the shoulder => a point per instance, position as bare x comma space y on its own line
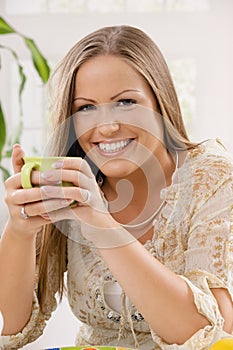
211, 158
211, 169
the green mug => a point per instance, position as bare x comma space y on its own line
41, 164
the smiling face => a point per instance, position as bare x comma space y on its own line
115, 116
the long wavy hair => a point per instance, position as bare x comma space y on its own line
137, 49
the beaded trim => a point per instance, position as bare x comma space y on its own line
113, 315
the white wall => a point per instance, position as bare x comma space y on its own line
203, 36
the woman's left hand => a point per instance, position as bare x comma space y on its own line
83, 191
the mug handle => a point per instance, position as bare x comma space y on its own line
26, 173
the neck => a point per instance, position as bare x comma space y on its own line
141, 189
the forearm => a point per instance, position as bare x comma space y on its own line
163, 298
17, 275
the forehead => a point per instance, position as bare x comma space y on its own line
109, 72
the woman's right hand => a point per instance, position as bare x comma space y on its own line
17, 198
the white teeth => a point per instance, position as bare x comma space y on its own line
113, 147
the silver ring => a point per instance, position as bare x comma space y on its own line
24, 215
88, 199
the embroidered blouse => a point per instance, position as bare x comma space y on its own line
193, 236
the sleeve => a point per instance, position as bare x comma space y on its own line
37, 322
209, 261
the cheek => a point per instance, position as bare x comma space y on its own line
82, 136
83, 141
149, 137
146, 122
85, 123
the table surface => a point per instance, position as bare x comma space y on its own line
91, 348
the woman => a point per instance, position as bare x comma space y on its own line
148, 241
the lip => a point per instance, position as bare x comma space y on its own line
116, 153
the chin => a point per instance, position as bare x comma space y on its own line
118, 169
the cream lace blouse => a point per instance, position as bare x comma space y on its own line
193, 236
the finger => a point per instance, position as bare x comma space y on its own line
35, 221
17, 158
75, 163
75, 193
74, 177
22, 196
40, 179
45, 207
30, 222
13, 182
55, 177
62, 214
25, 195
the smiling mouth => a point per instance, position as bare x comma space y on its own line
113, 147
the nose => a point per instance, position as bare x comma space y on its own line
108, 129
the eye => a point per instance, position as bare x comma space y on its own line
126, 102
86, 108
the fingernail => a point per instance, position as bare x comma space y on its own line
47, 175
66, 202
48, 189
59, 164
45, 216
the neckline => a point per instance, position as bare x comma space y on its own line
156, 212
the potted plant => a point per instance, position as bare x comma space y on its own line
42, 68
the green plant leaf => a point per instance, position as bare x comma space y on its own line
8, 153
43, 71
21, 85
14, 138
5, 172
18, 134
2, 131
5, 28
39, 61
21, 74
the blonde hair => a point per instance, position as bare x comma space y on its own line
136, 48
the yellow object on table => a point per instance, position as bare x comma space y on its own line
223, 344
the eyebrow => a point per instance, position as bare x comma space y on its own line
111, 98
122, 92
83, 98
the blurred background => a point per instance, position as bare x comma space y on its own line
195, 37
